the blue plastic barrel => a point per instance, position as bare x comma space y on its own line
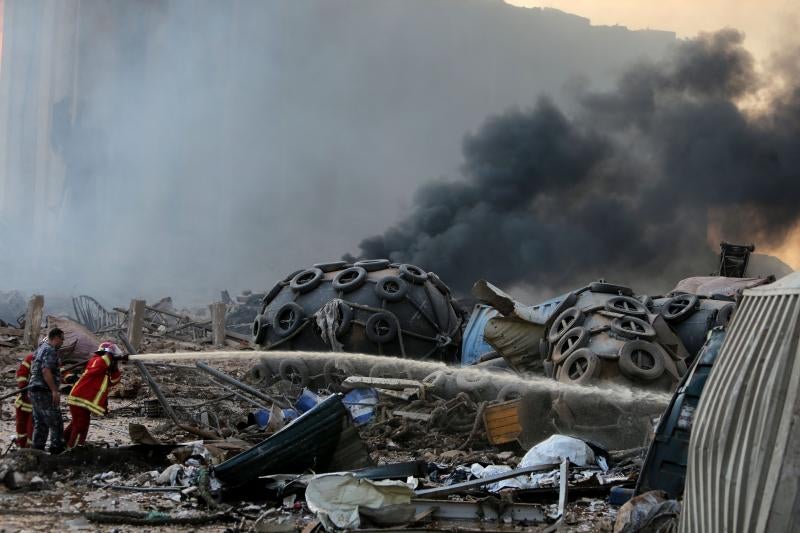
361, 404
307, 401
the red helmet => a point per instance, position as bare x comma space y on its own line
109, 348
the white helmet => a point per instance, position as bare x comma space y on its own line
109, 348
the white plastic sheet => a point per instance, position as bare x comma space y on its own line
336, 499
557, 448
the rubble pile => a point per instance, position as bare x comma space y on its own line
561, 415
164, 326
241, 311
161, 475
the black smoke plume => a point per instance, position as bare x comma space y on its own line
625, 186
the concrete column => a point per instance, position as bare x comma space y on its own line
218, 323
33, 321
136, 323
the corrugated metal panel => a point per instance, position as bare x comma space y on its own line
744, 452
311, 441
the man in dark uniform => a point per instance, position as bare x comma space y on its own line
44, 394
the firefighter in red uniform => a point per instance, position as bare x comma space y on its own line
90, 394
23, 404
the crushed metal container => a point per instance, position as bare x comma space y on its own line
664, 466
744, 450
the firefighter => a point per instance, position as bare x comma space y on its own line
23, 405
90, 393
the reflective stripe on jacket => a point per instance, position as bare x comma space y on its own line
23, 375
91, 390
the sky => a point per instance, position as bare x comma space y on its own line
255, 115
769, 27
765, 22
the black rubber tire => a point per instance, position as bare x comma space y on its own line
636, 358
568, 319
580, 368
439, 382
388, 370
272, 294
261, 374
260, 325
572, 340
373, 265
381, 328
630, 327
679, 308
609, 288
350, 279
332, 266
288, 278
295, 371
306, 280
511, 391
724, 315
346, 320
287, 319
626, 306
438, 283
391, 288
335, 371
413, 273
476, 384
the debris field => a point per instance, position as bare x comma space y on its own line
563, 415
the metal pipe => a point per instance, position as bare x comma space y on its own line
239, 385
160, 395
241, 396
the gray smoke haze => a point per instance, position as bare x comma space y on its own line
623, 186
199, 145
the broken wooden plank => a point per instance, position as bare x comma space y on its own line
405, 394
502, 422
361, 382
424, 417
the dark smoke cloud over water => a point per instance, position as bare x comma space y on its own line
624, 186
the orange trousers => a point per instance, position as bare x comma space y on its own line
24, 428
78, 428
